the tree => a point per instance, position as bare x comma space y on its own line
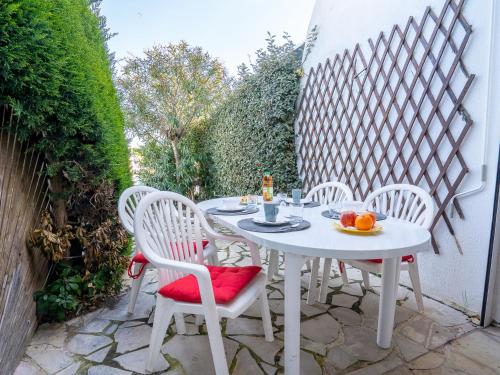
168, 91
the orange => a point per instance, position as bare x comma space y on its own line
373, 216
364, 222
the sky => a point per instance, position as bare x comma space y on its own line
231, 30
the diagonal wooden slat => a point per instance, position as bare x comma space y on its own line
389, 116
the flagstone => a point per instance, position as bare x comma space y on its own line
27, 368
362, 342
52, 334
95, 326
268, 369
346, 316
245, 364
353, 289
244, 326
314, 309
323, 329
136, 361
344, 300
49, 358
99, 356
409, 349
132, 338
480, 347
263, 349
85, 344
111, 329
380, 368
340, 358
194, 355
308, 364
143, 308
70, 370
428, 361
106, 370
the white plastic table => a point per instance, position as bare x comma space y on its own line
398, 238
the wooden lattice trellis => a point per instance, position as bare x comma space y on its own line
395, 117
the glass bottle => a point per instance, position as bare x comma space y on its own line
267, 187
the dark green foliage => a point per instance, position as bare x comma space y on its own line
253, 129
55, 72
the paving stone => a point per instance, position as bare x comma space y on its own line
323, 329
49, 358
50, 333
95, 326
344, 300
106, 370
143, 308
245, 364
275, 294
340, 358
193, 353
379, 368
244, 326
417, 329
277, 306
132, 338
253, 310
308, 364
429, 361
131, 323
468, 365
136, 361
400, 370
353, 289
362, 342
268, 369
314, 309
86, 344
27, 368
313, 346
111, 329
99, 355
346, 316
264, 350
439, 312
492, 330
409, 349
369, 305
480, 347
440, 336
71, 370
335, 283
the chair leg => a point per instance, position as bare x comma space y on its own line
343, 272
266, 316
163, 315
313, 281
273, 265
214, 259
216, 343
366, 279
415, 282
180, 325
136, 287
255, 254
324, 282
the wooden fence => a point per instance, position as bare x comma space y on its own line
23, 194
392, 112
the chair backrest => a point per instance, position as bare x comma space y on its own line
402, 201
128, 202
170, 226
328, 192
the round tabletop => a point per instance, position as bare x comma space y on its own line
398, 238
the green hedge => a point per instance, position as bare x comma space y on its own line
254, 128
55, 72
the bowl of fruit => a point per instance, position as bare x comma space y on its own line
362, 223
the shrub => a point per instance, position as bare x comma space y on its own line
55, 73
254, 128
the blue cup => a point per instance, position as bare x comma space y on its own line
296, 195
271, 211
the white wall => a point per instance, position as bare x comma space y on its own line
449, 276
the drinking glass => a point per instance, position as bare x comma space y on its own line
282, 197
297, 213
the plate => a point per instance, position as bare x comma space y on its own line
230, 209
303, 201
262, 221
376, 229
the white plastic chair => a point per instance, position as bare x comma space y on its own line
405, 202
325, 193
166, 218
127, 205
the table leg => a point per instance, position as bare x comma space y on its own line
293, 265
387, 304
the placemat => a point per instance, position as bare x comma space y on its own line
336, 215
248, 224
246, 211
311, 204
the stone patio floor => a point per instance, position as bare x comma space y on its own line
337, 337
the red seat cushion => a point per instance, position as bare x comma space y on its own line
140, 258
227, 282
406, 258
